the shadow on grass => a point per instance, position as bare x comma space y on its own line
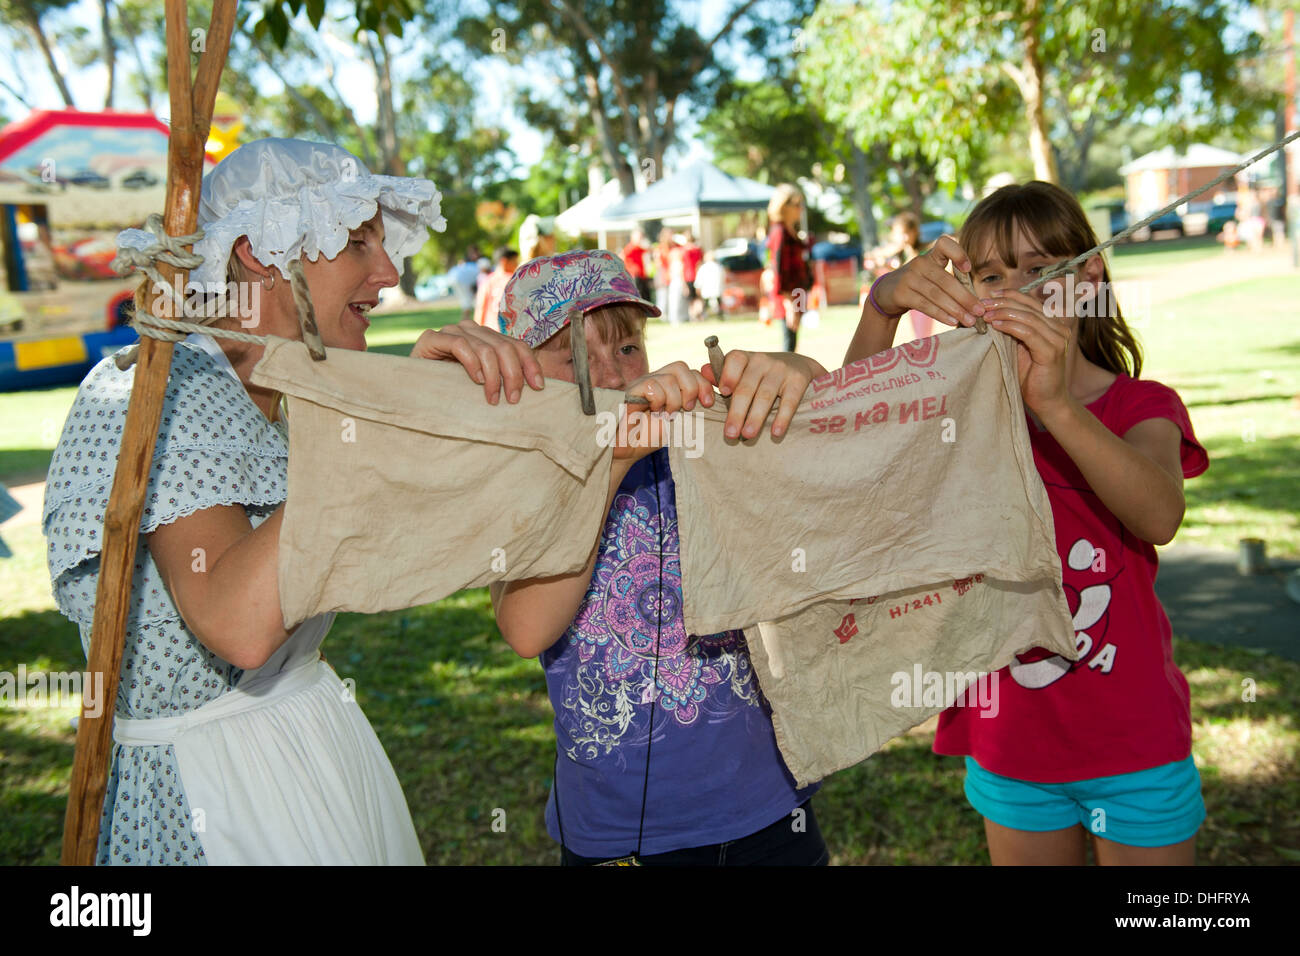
402, 348
468, 728
465, 721
1210, 403
34, 797
20, 466
1262, 472
1167, 243
36, 743
45, 640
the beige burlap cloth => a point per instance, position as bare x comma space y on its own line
906, 482
406, 486
899, 528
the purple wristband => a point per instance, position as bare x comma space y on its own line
871, 297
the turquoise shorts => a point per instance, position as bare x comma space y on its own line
1156, 807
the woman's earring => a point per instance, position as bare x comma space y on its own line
268, 286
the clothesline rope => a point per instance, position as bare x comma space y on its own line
1124, 233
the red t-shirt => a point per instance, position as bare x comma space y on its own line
1124, 706
786, 260
634, 259
692, 256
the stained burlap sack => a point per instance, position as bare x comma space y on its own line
904, 469
406, 486
844, 678
901, 475
907, 482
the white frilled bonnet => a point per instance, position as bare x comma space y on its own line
294, 199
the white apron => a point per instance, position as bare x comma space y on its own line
285, 769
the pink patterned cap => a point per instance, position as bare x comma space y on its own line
542, 292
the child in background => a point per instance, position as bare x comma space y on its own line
709, 279
634, 257
662, 254
904, 245
665, 747
490, 289
1100, 746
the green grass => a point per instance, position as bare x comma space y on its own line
1233, 354
395, 332
32, 421
468, 725
1162, 252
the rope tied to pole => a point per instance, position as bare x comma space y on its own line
169, 250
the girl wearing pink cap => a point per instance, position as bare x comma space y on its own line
665, 748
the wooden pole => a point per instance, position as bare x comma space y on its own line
191, 106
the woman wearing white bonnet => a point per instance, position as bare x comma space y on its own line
234, 742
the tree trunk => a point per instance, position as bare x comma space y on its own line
860, 175
651, 145
627, 177
130, 26
16, 95
146, 84
34, 24
1031, 89
390, 160
110, 52
911, 180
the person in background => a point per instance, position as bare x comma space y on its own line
692, 256
489, 290
788, 260
1250, 219
663, 251
465, 278
1275, 212
679, 289
536, 238
634, 254
709, 281
903, 246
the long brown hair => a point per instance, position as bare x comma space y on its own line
1056, 222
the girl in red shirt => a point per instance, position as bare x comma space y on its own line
1101, 746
